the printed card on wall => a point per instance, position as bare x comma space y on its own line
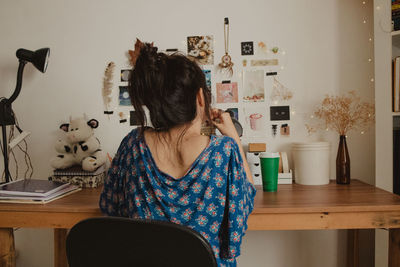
247, 48
201, 49
227, 92
256, 121
123, 98
207, 73
253, 86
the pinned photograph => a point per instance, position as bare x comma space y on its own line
255, 121
247, 48
125, 74
227, 92
122, 117
123, 98
253, 86
133, 120
285, 129
207, 73
201, 49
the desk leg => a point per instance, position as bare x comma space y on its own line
60, 253
352, 248
7, 247
394, 247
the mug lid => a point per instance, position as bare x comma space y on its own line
269, 155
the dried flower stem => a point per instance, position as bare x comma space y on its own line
344, 113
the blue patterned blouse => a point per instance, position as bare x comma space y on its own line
136, 188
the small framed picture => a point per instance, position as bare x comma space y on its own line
247, 48
125, 75
201, 49
256, 121
227, 92
124, 99
207, 73
253, 86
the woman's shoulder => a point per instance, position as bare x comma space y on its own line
131, 139
225, 142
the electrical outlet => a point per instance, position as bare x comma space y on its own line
279, 113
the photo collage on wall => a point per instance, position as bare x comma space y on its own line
253, 95
265, 99
252, 90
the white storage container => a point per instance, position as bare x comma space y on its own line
254, 163
311, 162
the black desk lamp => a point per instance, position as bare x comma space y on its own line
39, 59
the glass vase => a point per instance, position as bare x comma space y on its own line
343, 162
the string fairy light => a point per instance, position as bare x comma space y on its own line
370, 40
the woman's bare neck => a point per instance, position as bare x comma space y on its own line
175, 151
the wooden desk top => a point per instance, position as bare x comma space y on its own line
291, 200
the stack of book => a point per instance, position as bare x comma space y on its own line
75, 175
34, 191
396, 84
396, 15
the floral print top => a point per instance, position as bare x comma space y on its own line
136, 188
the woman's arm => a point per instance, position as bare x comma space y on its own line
222, 120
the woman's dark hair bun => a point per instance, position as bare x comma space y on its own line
167, 85
148, 57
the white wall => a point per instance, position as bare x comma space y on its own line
327, 51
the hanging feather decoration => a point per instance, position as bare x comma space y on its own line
107, 87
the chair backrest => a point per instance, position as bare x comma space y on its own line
120, 242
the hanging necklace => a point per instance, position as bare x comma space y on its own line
226, 61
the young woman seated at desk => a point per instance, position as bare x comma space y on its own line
171, 171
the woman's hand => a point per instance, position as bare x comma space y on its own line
222, 120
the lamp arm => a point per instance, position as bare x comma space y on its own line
19, 82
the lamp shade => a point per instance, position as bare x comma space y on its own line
39, 58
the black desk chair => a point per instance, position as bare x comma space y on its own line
120, 242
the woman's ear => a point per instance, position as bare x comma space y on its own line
200, 98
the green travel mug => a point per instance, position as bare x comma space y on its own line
269, 171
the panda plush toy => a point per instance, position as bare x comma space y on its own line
80, 146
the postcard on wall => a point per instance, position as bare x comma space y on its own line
256, 121
253, 86
201, 49
207, 74
123, 98
227, 92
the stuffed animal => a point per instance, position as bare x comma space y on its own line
80, 146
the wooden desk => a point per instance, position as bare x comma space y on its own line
293, 207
